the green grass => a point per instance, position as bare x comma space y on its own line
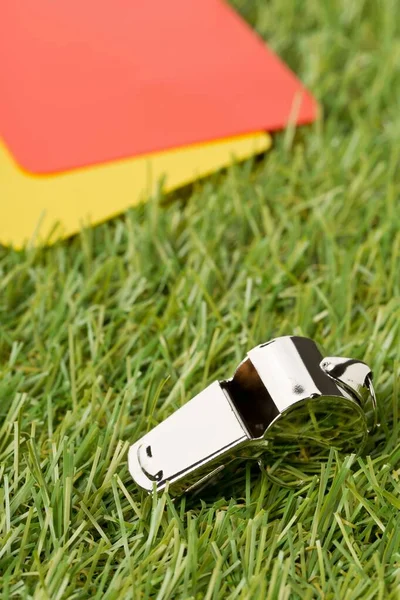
105, 335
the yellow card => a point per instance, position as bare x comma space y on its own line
31, 206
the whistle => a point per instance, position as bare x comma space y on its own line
285, 402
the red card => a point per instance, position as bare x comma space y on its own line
90, 81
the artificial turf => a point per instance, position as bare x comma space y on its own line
105, 335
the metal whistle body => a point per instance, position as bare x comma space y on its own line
284, 402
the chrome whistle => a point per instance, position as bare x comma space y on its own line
286, 404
